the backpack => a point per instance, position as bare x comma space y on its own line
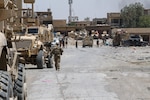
57, 51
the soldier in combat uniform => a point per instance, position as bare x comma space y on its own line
57, 52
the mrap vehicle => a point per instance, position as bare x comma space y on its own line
87, 41
34, 45
34, 42
12, 72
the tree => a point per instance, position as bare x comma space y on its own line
144, 21
131, 14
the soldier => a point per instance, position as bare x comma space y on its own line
117, 40
63, 42
57, 52
97, 42
66, 41
76, 43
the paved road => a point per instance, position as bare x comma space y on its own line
104, 73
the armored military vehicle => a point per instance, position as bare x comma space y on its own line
87, 41
34, 45
119, 36
12, 73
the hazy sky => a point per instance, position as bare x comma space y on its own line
84, 8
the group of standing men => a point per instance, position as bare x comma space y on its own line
63, 42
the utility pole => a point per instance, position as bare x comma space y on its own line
70, 10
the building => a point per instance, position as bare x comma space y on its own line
45, 17
59, 23
147, 12
114, 19
81, 23
99, 21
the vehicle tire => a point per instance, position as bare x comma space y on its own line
49, 64
6, 86
20, 84
39, 60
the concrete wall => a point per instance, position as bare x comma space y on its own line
59, 23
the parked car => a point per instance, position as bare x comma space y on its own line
135, 40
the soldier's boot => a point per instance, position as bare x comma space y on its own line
56, 66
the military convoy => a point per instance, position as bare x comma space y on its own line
17, 49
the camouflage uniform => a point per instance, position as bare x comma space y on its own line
57, 52
97, 42
117, 40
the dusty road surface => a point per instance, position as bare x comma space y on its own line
104, 73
